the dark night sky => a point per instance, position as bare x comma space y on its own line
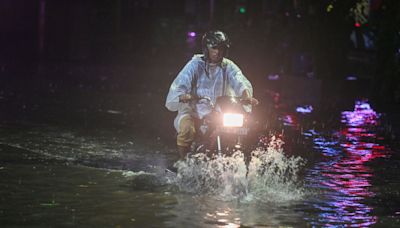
92, 30
288, 37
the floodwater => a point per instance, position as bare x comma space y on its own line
58, 177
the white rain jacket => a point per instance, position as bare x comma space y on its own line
203, 79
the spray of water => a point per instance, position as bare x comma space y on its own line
269, 175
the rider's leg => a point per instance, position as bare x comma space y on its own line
185, 136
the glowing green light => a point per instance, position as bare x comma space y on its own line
242, 9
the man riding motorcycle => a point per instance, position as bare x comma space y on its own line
211, 75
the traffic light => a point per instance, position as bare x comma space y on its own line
242, 6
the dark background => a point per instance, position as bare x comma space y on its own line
64, 61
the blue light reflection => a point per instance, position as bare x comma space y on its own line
344, 177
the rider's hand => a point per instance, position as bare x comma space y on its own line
254, 101
251, 100
185, 98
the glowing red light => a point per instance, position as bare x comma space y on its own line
378, 147
357, 24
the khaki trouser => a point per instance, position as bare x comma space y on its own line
186, 131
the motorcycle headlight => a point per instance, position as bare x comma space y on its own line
233, 120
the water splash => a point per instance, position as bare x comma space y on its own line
223, 176
269, 175
274, 177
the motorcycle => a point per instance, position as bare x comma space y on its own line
225, 129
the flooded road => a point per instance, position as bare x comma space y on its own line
42, 192
58, 177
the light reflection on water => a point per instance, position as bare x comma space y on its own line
67, 194
47, 192
38, 192
344, 177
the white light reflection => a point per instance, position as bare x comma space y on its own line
351, 78
304, 109
273, 77
223, 218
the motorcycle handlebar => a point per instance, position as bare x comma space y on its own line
244, 101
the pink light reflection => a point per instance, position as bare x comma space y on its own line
191, 34
362, 115
350, 175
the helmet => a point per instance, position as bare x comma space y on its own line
215, 39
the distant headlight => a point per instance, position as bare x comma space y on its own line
233, 120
